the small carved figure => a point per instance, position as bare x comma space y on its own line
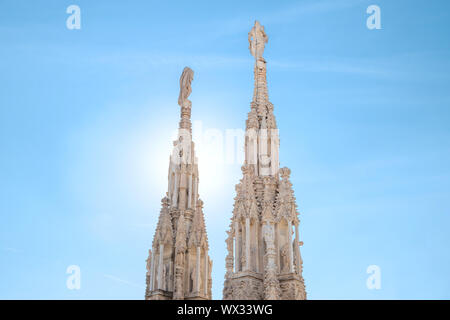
200, 283
164, 278
285, 258
149, 261
229, 242
185, 86
267, 231
179, 259
257, 39
192, 280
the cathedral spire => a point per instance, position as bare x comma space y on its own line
257, 39
171, 271
262, 141
263, 260
185, 90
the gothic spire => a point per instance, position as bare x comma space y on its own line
262, 143
181, 214
263, 260
185, 90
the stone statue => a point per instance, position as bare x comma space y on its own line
164, 278
243, 260
257, 39
185, 87
179, 258
149, 261
267, 231
156, 276
200, 282
178, 294
209, 264
229, 242
192, 279
285, 257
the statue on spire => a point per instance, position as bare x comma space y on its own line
257, 39
185, 87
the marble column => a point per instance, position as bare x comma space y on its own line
258, 268
197, 278
187, 281
195, 191
206, 273
255, 153
160, 267
291, 256
182, 191
274, 152
247, 243
277, 245
297, 249
238, 251
170, 187
175, 191
152, 270
190, 192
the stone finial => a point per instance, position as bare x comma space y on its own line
257, 39
165, 202
185, 90
149, 261
185, 86
247, 170
285, 173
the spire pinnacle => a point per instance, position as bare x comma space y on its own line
263, 260
257, 39
181, 215
262, 144
185, 90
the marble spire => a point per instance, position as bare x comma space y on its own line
178, 266
263, 260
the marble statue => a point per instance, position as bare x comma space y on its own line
257, 39
185, 86
192, 279
285, 258
149, 261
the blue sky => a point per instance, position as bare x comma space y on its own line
87, 119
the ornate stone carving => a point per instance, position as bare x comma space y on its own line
246, 289
293, 290
257, 39
185, 87
285, 258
